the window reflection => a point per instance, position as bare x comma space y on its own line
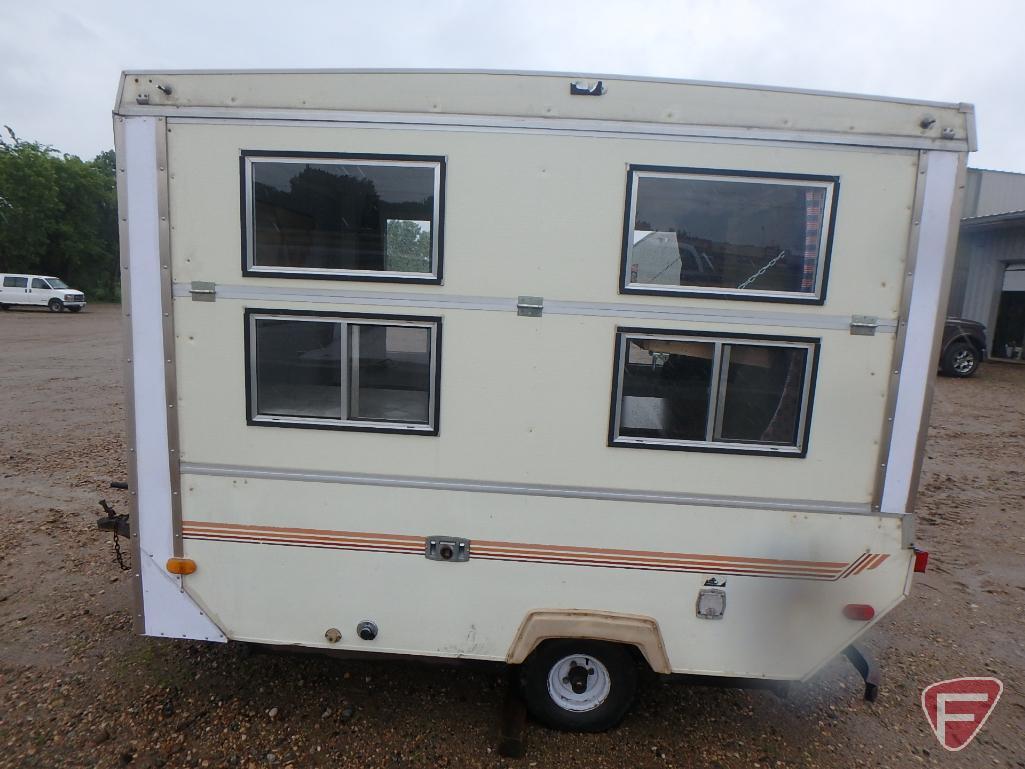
343, 216
736, 234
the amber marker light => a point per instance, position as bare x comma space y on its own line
181, 565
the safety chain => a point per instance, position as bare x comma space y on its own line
764, 269
119, 556
113, 521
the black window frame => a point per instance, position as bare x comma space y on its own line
253, 419
807, 390
818, 297
435, 277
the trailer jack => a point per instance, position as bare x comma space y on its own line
868, 669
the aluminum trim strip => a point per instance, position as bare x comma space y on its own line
609, 128
139, 613
166, 308
931, 284
784, 139
897, 361
536, 490
552, 307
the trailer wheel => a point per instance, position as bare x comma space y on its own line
579, 685
56, 305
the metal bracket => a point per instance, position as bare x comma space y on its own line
864, 325
453, 549
203, 291
581, 88
530, 306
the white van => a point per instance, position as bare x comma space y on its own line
39, 290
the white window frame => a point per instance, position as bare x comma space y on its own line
347, 373
830, 184
716, 398
249, 269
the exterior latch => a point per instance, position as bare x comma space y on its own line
530, 306
582, 88
864, 325
454, 549
203, 291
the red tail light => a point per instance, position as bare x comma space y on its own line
921, 560
859, 611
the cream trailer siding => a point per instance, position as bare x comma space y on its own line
530, 361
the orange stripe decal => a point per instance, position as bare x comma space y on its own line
648, 560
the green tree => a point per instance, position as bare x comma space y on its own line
409, 246
58, 215
28, 188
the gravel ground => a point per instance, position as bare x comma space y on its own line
78, 689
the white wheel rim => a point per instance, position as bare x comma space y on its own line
595, 682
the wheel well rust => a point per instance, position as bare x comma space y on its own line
637, 631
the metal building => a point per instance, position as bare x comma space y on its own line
989, 274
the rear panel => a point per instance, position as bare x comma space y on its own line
299, 530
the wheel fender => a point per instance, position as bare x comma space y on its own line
630, 629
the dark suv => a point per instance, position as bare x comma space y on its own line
964, 347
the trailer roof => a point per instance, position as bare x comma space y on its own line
544, 100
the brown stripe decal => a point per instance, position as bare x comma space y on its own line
648, 560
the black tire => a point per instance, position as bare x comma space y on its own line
960, 359
5, 307
609, 663
55, 305
74, 309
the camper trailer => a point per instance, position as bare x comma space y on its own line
578, 374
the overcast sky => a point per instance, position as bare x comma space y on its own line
59, 61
